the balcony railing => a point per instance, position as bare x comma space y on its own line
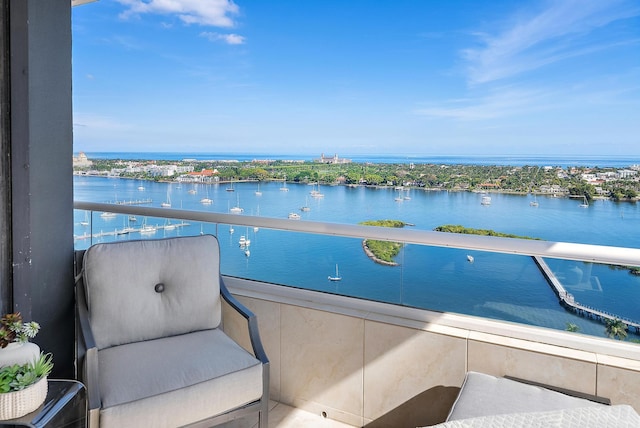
436, 270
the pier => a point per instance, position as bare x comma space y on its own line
148, 230
567, 300
132, 202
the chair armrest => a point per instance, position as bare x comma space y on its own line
252, 322
85, 337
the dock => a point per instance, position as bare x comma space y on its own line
128, 231
132, 202
567, 300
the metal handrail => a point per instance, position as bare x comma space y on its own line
624, 256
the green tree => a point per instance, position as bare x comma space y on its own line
572, 327
616, 329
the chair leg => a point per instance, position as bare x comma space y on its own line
263, 415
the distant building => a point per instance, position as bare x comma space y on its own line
333, 159
627, 173
81, 161
203, 176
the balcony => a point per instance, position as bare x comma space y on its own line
362, 361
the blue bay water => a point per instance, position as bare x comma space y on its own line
495, 285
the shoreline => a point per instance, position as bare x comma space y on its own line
373, 257
372, 186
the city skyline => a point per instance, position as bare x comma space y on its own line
414, 77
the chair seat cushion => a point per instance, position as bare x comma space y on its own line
484, 395
176, 380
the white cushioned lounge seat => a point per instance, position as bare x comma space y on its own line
487, 401
155, 353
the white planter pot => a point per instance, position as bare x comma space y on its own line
18, 403
19, 353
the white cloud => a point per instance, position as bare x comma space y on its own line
498, 104
217, 13
231, 39
616, 91
559, 32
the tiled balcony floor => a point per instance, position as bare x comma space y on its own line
283, 416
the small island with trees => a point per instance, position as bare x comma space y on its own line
382, 252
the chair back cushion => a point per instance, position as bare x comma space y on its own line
142, 290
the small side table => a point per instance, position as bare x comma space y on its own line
64, 407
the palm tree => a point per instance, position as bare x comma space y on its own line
616, 329
572, 327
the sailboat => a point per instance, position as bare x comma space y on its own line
284, 187
167, 203
147, 229
305, 208
534, 203
207, 200
315, 193
258, 192
585, 203
85, 222
237, 209
230, 188
337, 277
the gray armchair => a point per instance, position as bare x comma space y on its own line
151, 347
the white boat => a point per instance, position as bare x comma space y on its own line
470, 258
141, 188
237, 209
148, 229
169, 226
85, 222
107, 215
315, 193
486, 200
244, 241
534, 203
258, 192
284, 187
305, 208
585, 203
247, 252
167, 203
206, 200
192, 191
294, 216
133, 218
231, 229
230, 188
337, 277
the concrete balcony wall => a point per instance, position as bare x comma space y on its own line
370, 364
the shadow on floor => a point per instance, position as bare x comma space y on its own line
428, 408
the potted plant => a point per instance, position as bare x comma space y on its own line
23, 368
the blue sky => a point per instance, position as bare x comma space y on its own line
438, 77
